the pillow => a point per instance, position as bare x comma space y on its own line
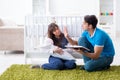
64, 56
6, 22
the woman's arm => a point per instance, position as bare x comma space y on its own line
58, 50
70, 40
54, 49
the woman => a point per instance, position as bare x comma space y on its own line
59, 42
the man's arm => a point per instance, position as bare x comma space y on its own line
95, 55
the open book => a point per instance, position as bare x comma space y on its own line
77, 47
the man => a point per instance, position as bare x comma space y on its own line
102, 50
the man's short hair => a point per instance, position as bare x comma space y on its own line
91, 20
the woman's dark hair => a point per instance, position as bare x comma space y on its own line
91, 20
51, 28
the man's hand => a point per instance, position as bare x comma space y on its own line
79, 50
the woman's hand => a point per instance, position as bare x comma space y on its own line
65, 32
58, 50
70, 40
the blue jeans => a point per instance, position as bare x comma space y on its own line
59, 64
94, 64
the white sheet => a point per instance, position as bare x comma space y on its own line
48, 47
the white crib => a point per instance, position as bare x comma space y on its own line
36, 30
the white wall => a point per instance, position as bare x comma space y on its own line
117, 15
74, 7
15, 10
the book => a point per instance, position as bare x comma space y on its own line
77, 47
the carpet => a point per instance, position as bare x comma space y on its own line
23, 72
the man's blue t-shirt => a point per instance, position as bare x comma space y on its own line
100, 38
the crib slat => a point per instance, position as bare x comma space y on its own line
36, 30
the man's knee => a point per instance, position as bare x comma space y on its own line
89, 67
84, 42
